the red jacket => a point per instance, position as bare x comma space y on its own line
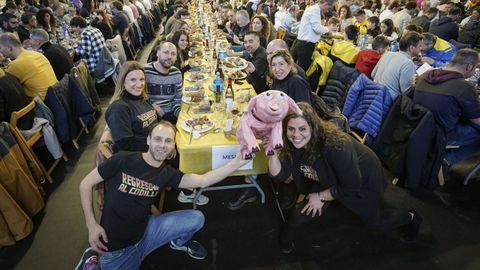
366, 61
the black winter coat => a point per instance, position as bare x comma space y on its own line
470, 34
411, 144
445, 28
340, 79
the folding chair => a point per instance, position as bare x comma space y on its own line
27, 144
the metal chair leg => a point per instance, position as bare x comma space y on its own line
471, 173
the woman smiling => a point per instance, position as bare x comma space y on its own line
327, 164
286, 78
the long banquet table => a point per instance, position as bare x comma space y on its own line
199, 155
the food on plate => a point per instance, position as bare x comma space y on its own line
236, 75
196, 62
196, 76
196, 52
234, 62
196, 87
197, 123
205, 105
195, 96
244, 97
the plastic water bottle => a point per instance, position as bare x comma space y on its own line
394, 46
66, 35
218, 82
364, 44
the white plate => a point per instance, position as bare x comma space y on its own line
188, 100
240, 67
202, 76
244, 75
197, 63
193, 88
189, 129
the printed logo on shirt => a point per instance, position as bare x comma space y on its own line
138, 187
148, 118
309, 172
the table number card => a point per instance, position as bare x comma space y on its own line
221, 154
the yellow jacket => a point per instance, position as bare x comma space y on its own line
324, 63
345, 51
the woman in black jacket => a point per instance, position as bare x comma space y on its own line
129, 115
327, 164
286, 78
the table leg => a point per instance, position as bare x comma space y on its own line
253, 184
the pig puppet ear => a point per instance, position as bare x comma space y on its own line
293, 106
251, 104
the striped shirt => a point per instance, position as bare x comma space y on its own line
163, 89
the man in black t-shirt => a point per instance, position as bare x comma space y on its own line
127, 232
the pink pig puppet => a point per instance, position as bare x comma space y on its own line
263, 119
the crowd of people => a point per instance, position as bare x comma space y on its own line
386, 40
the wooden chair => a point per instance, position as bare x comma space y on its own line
27, 144
281, 32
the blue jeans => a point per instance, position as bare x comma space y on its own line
177, 226
468, 138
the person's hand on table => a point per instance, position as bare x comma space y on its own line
159, 110
250, 67
314, 205
428, 60
96, 237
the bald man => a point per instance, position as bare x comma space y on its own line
164, 82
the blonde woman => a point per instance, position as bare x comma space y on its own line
129, 115
286, 78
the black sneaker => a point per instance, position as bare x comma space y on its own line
410, 231
287, 247
193, 248
88, 261
243, 196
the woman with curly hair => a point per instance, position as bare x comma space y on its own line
46, 20
327, 164
261, 25
345, 16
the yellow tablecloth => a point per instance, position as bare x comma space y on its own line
196, 157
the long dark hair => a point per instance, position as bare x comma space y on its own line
176, 38
390, 27
41, 20
324, 134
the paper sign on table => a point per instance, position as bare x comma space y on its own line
221, 154
423, 68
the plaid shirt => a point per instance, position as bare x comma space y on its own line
90, 46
